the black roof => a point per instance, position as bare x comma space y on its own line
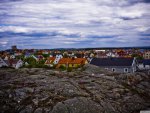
112, 61
139, 61
78, 55
146, 61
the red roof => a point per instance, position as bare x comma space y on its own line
72, 61
50, 60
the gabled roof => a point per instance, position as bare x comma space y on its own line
13, 61
64, 60
72, 61
112, 61
39, 56
78, 55
146, 61
77, 61
10, 62
7, 62
50, 60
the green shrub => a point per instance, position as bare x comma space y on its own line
62, 67
30, 60
69, 69
45, 55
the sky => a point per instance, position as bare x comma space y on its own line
46, 24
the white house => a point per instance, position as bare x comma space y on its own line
26, 63
91, 55
144, 64
12, 56
6, 58
111, 54
119, 65
11, 63
16, 63
140, 65
58, 57
45, 52
2, 63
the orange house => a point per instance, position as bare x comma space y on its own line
72, 62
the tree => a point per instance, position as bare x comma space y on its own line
137, 56
41, 62
45, 55
20, 57
30, 61
65, 55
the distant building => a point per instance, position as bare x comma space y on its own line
146, 55
112, 54
37, 57
16, 63
11, 63
14, 47
120, 65
101, 54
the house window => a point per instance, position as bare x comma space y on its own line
113, 69
126, 70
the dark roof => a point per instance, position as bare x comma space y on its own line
146, 61
112, 61
78, 55
7, 62
11, 62
139, 61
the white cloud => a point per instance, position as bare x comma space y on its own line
15, 29
3, 43
81, 17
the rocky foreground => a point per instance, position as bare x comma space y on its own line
89, 90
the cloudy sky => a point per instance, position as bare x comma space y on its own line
74, 23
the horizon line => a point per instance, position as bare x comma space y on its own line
148, 47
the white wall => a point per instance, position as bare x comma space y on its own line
58, 57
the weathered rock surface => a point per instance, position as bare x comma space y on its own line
91, 90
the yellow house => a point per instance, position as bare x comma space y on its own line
72, 62
146, 55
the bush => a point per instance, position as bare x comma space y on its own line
41, 62
62, 67
45, 55
79, 66
30, 60
69, 69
